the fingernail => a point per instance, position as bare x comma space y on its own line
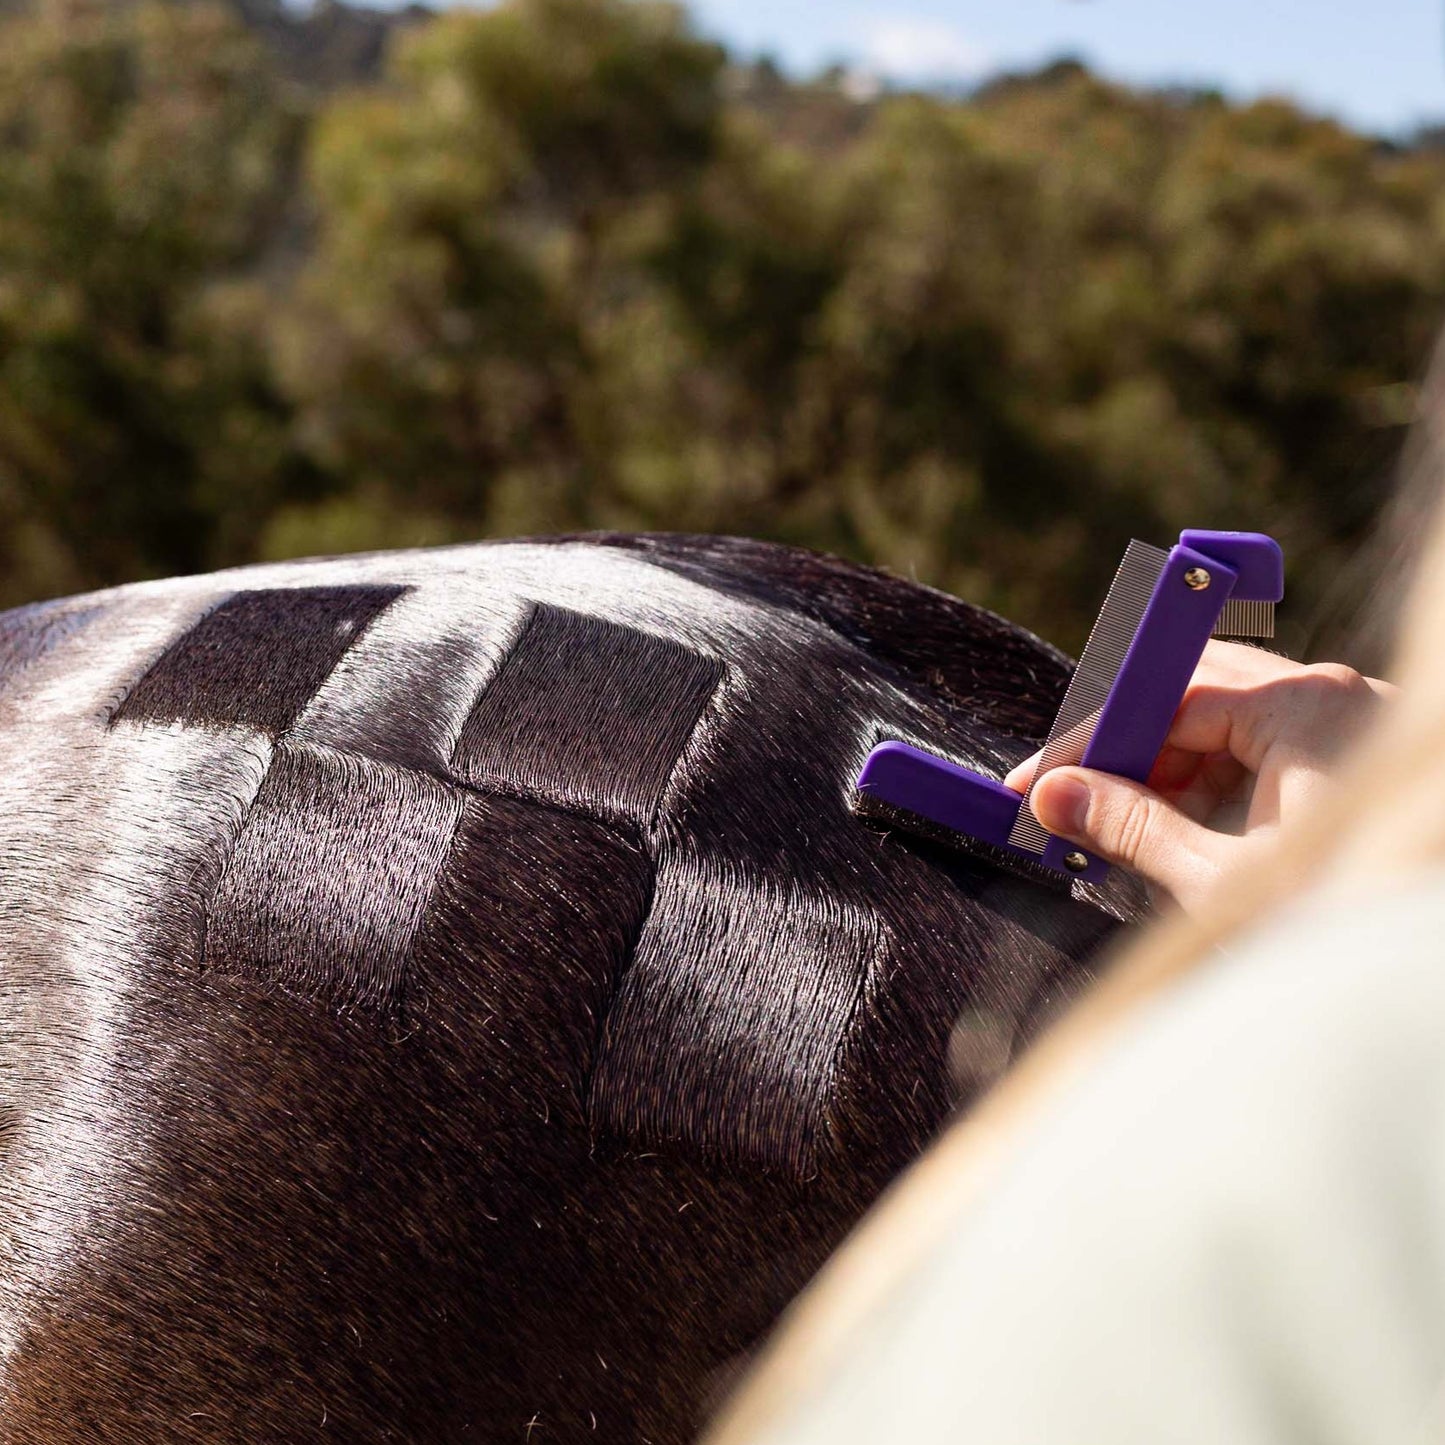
1021, 774
1061, 804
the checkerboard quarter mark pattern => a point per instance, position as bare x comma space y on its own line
257, 659
726, 1029
534, 919
587, 714
331, 876
601, 954
350, 874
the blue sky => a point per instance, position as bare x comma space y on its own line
1377, 63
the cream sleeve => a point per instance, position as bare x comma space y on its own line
1231, 1229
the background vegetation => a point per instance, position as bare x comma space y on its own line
272, 286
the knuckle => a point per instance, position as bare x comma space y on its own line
1337, 679
1131, 824
1337, 699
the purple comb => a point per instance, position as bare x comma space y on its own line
1161, 609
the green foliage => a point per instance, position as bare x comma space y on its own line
140, 156
445, 342
563, 266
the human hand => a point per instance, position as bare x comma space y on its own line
1253, 729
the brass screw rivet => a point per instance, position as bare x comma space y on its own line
1196, 579
1076, 862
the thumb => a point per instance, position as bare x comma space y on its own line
1128, 824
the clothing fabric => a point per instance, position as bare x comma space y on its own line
1230, 1229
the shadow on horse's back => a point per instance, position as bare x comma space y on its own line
445, 996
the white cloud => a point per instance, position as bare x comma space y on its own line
921, 50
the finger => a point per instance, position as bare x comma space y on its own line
1194, 782
1227, 673
1239, 661
1230, 682
1318, 709
1173, 769
1240, 702
1128, 824
1221, 782
1198, 783
1022, 774
1230, 663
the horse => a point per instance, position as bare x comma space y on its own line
446, 996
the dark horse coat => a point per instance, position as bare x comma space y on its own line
445, 996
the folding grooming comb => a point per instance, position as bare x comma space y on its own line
1162, 608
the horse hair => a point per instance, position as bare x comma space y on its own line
445, 996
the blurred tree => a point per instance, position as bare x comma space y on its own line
1230, 291
920, 414
1305, 271
478, 220
141, 157
564, 266
707, 359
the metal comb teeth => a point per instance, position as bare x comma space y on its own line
878, 811
1103, 656
1245, 619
